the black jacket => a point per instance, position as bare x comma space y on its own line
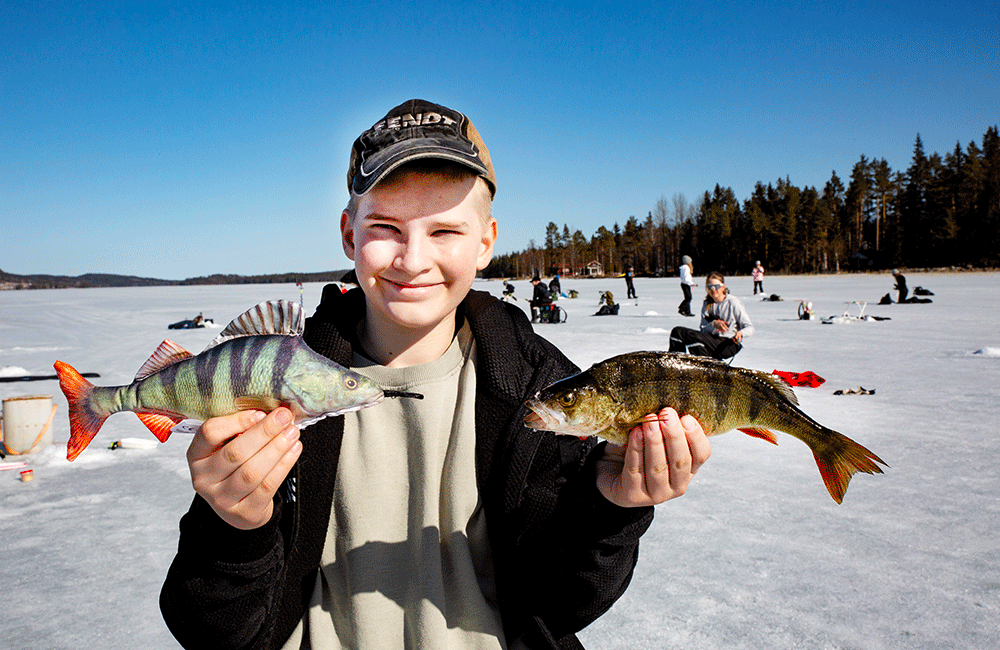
562, 553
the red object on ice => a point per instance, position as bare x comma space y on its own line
808, 378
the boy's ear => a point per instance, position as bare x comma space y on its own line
347, 235
486, 245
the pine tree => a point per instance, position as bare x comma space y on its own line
913, 216
988, 209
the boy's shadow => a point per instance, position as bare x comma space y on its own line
391, 569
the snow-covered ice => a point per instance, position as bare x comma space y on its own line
755, 555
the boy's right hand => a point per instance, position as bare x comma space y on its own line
238, 461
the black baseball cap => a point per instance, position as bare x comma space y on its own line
417, 129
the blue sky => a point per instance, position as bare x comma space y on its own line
170, 141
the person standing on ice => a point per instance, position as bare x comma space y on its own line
687, 281
434, 523
629, 286
758, 278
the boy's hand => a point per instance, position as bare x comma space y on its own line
662, 456
238, 461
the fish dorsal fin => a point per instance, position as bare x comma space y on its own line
166, 355
274, 317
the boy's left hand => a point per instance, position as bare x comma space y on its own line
662, 456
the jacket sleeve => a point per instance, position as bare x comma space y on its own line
576, 563
222, 582
563, 553
743, 323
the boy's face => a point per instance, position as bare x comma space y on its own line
417, 241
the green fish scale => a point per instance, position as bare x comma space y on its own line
719, 396
205, 385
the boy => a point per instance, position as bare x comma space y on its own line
434, 523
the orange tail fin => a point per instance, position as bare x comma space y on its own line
84, 423
840, 459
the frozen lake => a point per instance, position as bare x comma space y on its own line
755, 555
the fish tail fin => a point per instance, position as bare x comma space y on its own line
839, 459
84, 421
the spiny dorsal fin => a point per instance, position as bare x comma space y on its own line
166, 355
274, 317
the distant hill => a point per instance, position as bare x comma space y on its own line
88, 280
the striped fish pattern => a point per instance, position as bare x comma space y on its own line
259, 361
613, 396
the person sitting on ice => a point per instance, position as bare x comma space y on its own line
724, 324
508, 290
540, 298
900, 286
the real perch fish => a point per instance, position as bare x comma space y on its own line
258, 362
613, 396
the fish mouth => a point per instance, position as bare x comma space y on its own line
543, 418
340, 411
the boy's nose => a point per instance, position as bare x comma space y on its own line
411, 258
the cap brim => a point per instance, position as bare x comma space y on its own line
373, 170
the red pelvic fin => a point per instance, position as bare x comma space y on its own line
159, 424
84, 423
166, 355
763, 434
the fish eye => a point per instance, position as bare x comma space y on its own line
351, 383
568, 399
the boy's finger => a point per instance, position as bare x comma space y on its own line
248, 443
678, 454
214, 432
700, 447
258, 499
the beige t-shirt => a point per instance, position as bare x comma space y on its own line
406, 562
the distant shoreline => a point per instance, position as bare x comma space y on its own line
13, 282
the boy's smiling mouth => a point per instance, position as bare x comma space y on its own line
409, 288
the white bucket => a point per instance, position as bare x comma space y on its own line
27, 423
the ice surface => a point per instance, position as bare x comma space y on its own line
756, 555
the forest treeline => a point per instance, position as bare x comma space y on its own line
942, 211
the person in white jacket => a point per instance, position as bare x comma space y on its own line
687, 281
724, 324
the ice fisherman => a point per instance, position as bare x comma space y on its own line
724, 324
